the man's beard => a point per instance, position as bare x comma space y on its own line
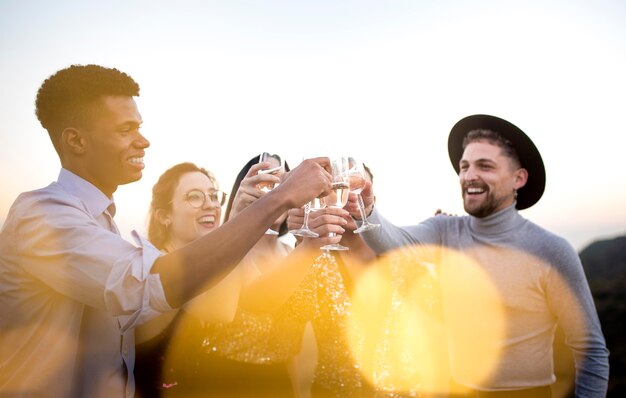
489, 206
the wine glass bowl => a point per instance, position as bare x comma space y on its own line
358, 176
277, 168
357, 181
317, 204
338, 197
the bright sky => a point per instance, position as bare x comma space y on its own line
384, 80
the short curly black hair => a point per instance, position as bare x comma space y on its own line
68, 97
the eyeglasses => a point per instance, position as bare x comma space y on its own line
197, 199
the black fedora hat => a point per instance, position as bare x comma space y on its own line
529, 156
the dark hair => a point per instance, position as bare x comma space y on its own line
70, 97
242, 174
369, 172
162, 195
494, 138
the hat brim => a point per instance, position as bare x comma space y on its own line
529, 156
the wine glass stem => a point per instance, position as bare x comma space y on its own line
307, 210
362, 209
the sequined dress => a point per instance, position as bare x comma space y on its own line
321, 298
325, 297
255, 342
409, 344
337, 373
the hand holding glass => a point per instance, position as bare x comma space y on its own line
357, 175
277, 168
339, 194
305, 231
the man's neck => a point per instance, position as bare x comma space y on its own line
85, 175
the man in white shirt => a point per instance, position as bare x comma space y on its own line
71, 289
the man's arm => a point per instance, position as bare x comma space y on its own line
580, 322
188, 271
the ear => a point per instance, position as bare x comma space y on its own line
163, 216
73, 141
520, 178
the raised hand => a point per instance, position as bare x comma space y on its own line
249, 190
307, 181
367, 194
440, 212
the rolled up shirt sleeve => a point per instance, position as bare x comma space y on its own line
131, 290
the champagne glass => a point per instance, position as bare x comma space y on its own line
277, 168
339, 194
358, 176
314, 205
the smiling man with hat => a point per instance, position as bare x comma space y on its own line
505, 282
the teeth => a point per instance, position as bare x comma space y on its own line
475, 190
206, 219
136, 160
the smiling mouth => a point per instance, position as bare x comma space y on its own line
207, 221
474, 191
136, 162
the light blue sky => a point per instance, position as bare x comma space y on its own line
385, 80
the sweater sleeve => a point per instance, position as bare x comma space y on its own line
570, 299
390, 236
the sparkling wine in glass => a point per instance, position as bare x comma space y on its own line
338, 196
277, 168
357, 176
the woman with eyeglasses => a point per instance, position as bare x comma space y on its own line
186, 204
216, 346
212, 348
248, 354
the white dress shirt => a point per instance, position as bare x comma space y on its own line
71, 292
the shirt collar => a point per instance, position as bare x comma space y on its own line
95, 200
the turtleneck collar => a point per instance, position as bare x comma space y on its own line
501, 222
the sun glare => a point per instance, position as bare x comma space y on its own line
416, 326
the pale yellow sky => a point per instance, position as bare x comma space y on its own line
386, 81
